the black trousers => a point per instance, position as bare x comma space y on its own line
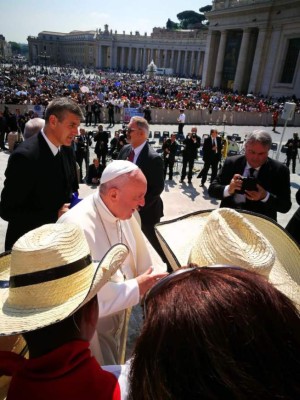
185, 162
169, 162
214, 170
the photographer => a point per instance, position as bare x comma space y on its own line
191, 145
272, 192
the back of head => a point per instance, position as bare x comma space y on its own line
217, 333
33, 126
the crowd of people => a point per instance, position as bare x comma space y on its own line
21, 84
221, 308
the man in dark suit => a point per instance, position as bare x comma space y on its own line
141, 153
101, 148
189, 154
83, 143
169, 148
271, 192
41, 173
212, 148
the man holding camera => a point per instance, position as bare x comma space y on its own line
266, 189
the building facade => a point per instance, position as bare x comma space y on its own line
253, 47
249, 46
183, 51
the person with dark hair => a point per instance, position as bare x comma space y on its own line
189, 154
101, 147
218, 332
57, 316
169, 147
253, 181
111, 115
83, 143
147, 113
94, 173
41, 173
292, 151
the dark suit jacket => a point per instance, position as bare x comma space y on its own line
37, 184
151, 164
272, 176
208, 154
94, 172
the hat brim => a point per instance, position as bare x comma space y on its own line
177, 238
15, 344
15, 321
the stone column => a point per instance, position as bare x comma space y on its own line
178, 62
165, 57
122, 57
130, 58
220, 60
192, 63
172, 60
151, 55
100, 56
144, 59
257, 60
137, 59
240, 70
159, 58
209, 60
185, 62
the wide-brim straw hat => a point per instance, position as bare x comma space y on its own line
49, 275
226, 236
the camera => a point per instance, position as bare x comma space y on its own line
249, 183
194, 135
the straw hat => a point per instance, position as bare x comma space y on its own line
49, 275
226, 236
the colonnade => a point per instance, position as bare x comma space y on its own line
187, 62
234, 59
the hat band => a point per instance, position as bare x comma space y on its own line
34, 278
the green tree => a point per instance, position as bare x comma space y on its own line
205, 9
189, 17
15, 47
171, 24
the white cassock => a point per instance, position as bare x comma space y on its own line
102, 230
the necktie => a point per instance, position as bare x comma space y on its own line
251, 172
131, 155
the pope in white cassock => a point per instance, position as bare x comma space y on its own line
106, 218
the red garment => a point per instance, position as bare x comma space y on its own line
69, 372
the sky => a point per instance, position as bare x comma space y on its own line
22, 18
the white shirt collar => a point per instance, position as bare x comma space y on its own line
138, 150
52, 147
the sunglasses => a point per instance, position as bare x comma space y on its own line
131, 130
176, 276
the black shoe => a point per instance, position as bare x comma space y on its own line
189, 182
199, 175
202, 184
181, 181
